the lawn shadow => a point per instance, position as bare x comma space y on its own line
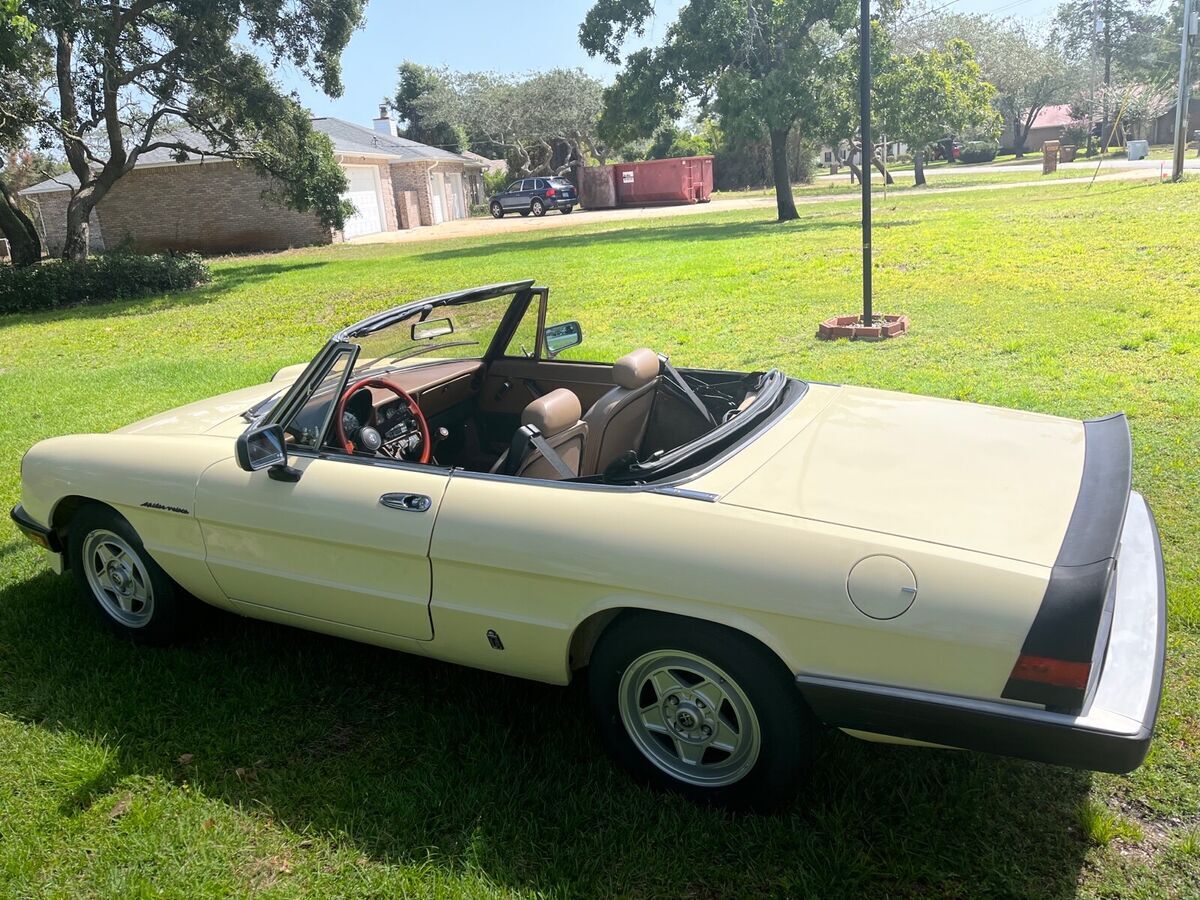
644, 231
411, 761
226, 279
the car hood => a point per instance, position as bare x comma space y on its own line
992, 480
220, 415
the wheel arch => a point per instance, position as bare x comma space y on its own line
65, 510
589, 628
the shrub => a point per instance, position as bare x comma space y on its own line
978, 151
496, 182
1075, 135
98, 279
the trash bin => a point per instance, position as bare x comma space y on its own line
1137, 149
1066, 153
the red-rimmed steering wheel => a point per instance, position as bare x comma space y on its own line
385, 384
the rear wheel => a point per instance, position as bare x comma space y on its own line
497, 210
537, 207
118, 579
700, 709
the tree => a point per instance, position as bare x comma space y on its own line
21, 61
1120, 34
757, 63
1029, 72
415, 82
929, 94
129, 78
544, 123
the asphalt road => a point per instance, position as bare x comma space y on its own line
478, 227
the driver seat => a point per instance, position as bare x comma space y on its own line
618, 420
552, 421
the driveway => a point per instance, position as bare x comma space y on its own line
483, 226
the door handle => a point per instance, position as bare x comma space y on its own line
407, 502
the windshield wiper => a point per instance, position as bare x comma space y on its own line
420, 351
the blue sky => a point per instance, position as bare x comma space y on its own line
477, 35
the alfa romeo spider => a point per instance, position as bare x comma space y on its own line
452, 478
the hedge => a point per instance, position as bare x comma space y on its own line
99, 279
978, 151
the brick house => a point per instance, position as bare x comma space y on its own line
214, 205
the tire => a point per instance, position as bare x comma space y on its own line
497, 210
524, 213
538, 208
650, 669
566, 210
130, 593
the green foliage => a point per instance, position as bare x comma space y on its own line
1101, 825
415, 82
978, 151
190, 77
759, 64
103, 277
930, 94
1128, 41
495, 182
671, 142
542, 123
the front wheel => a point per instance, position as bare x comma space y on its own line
497, 210
118, 579
538, 208
701, 710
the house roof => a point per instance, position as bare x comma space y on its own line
347, 137
1053, 116
492, 165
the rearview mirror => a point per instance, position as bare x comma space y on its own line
431, 328
562, 337
261, 448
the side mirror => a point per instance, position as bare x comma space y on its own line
562, 337
261, 448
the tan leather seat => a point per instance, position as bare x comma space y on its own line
555, 416
617, 421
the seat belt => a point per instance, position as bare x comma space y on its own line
543, 447
665, 363
528, 436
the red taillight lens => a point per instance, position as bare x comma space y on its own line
1057, 672
550, 192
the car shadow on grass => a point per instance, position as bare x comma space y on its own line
411, 761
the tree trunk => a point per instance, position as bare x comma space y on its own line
855, 172
919, 166
883, 170
785, 203
24, 244
79, 212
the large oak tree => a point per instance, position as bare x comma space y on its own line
760, 64
141, 75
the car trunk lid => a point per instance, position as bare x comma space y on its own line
991, 480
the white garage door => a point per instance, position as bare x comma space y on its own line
364, 194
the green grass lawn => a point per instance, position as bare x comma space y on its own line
259, 758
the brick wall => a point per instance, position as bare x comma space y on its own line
411, 177
210, 207
51, 221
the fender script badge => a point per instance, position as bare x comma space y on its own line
150, 504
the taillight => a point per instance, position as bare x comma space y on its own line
549, 192
1054, 672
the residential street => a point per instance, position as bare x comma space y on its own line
475, 227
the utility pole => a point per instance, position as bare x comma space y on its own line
864, 114
1181, 108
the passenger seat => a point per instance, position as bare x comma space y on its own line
553, 419
617, 421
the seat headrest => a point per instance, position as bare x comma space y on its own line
552, 412
633, 370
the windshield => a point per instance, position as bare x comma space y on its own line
444, 332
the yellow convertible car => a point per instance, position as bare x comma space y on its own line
736, 559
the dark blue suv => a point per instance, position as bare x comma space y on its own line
535, 195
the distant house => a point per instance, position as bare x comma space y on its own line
1048, 125
1162, 129
214, 205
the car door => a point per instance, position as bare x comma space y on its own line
513, 199
346, 543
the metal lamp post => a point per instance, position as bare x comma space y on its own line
864, 114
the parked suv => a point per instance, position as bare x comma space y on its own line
535, 195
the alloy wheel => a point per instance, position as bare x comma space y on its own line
118, 578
